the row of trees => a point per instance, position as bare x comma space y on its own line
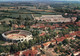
16, 47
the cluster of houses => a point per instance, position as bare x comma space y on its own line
18, 26
34, 50
43, 26
54, 26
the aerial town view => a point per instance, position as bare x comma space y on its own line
39, 27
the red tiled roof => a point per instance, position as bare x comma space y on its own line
60, 39
17, 53
72, 34
16, 26
45, 44
38, 46
67, 35
34, 48
77, 32
31, 52
56, 25
48, 25
78, 35
53, 40
41, 26
43, 55
33, 26
21, 26
78, 23
52, 27
66, 27
42, 34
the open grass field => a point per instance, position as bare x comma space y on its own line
3, 29
7, 19
37, 15
24, 12
2, 42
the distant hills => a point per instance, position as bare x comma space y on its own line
40, 0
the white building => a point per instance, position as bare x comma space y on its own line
53, 18
17, 35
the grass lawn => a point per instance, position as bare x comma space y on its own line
3, 29
37, 15
2, 42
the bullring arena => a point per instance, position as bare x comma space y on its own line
17, 35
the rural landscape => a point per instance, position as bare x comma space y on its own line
40, 28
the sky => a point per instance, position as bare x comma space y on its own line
39, 0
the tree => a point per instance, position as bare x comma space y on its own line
47, 37
42, 46
2, 49
10, 23
51, 45
21, 46
72, 54
7, 48
37, 40
60, 44
14, 48
34, 33
62, 55
56, 49
31, 42
65, 41
19, 17
62, 49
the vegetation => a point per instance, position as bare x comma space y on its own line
24, 16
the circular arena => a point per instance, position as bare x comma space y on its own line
17, 35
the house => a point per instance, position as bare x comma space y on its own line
17, 54
53, 18
42, 34
60, 39
33, 26
26, 53
22, 26
78, 23
74, 19
18, 26
46, 45
77, 54
15, 25
30, 52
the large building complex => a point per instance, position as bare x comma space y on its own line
55, 18
17, 35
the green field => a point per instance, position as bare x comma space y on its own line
37, 15
3, 29
7, 19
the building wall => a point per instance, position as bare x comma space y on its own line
27, 38
53, 18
